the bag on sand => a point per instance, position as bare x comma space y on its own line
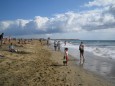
64, 59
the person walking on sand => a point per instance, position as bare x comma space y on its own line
65, 59
1, 38
58, 45
81, 49
55, 45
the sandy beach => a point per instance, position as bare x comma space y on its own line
39, 65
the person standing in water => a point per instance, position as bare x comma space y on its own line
65, 43
81, 49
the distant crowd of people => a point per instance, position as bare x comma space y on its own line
9, 41
57, 46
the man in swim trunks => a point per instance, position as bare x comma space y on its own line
81, 49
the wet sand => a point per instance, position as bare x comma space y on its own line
104, 67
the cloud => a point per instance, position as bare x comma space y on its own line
99, 20
100, 3
91, 20
42, 25
111, 10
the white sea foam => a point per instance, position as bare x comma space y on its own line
106, 51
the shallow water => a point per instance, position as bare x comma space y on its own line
103, 66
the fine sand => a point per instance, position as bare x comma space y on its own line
38, 65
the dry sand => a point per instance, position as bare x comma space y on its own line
37, 65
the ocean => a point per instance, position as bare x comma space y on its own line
102, 48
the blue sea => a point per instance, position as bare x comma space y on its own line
102, 48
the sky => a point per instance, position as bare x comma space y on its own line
72, 19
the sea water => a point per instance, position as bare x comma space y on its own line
102, 48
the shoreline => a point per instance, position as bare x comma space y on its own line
39, 65
103, 67
75, 62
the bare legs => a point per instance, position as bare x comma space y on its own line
0, 42
82, 59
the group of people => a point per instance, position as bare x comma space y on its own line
3, 40
65, 58
81, 49
57, 45
11, 47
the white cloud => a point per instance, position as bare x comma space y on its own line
5, 24
100, 3
40, 22
66, 22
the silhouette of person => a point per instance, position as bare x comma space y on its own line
81, 49
1, 38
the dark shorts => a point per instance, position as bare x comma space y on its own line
81, 51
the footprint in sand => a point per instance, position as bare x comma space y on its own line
78, 75
80, 84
